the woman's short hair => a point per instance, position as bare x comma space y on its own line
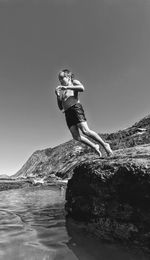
67, 73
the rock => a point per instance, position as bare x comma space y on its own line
112, 196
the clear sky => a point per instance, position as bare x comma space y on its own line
106, 43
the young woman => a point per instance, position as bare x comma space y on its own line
68, 101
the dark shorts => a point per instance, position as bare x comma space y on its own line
75, 115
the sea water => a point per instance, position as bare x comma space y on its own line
33, 227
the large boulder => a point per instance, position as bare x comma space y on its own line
112, 196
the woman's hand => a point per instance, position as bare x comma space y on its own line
63, 87
59, 88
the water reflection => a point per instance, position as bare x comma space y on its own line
33, 226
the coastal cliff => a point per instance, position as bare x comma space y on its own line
59, 162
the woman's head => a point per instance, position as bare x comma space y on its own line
65, 76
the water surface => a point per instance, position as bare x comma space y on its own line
33, 227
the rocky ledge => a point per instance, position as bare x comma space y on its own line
111, 197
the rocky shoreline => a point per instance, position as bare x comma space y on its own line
109, 197
7, 184
12, 184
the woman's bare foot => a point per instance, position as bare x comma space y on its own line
108, 149
97, 150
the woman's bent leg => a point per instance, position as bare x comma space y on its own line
76, 135
90, 133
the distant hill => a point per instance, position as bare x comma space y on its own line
62, 159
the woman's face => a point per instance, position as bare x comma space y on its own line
64, 79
